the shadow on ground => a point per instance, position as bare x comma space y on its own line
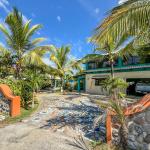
80, 117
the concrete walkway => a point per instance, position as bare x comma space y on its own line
38, 133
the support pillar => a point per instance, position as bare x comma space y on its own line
79, 85
120, 62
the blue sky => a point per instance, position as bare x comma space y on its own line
64, 21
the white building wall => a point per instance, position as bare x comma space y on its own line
90, 83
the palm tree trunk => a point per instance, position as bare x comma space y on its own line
124, 136
112, 69
33, 99
18, 70
62, 85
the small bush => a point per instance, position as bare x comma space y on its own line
20, 88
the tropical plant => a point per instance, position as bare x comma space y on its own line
26, 93
115, 87
117, 108
6, 63
130, 19
116, 105
63, 65
19, 39
13, 84
34, 81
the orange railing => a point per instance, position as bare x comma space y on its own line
138, 107
14, 100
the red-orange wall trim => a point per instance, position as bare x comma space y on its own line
14, 100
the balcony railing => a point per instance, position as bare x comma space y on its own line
121, 68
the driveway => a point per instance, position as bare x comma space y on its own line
44, 130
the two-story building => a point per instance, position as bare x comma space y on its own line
132, 70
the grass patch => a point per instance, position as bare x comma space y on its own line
24, 114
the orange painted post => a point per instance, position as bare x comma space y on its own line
15, 106
108, 128
14, 100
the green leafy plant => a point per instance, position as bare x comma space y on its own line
33, 82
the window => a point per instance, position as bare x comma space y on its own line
98, 82
91, 66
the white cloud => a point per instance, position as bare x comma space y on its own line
96, 10
5, 4
58, 18
122, 1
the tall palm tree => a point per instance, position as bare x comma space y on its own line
63, 65
19, 37
128, 19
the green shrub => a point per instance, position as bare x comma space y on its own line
20, 88
26, 93
13, 84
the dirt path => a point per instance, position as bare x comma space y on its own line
35, 133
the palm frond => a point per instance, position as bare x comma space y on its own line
5, 31
33, 30
128, 19
37, 41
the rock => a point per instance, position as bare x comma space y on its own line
144, 134
132, 145
147, 139
131, 126
138, 129
115, 133
146, 146
131, 138
2, 117
147, 116
141, 115
146, 128
139, 120
116, 125
140, 138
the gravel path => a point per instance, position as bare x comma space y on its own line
59, 122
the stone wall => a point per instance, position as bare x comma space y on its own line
139, 131
4, 105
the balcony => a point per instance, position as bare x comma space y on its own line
120, 68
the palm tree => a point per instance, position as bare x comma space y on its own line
19, 38
63, 65
128, 19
